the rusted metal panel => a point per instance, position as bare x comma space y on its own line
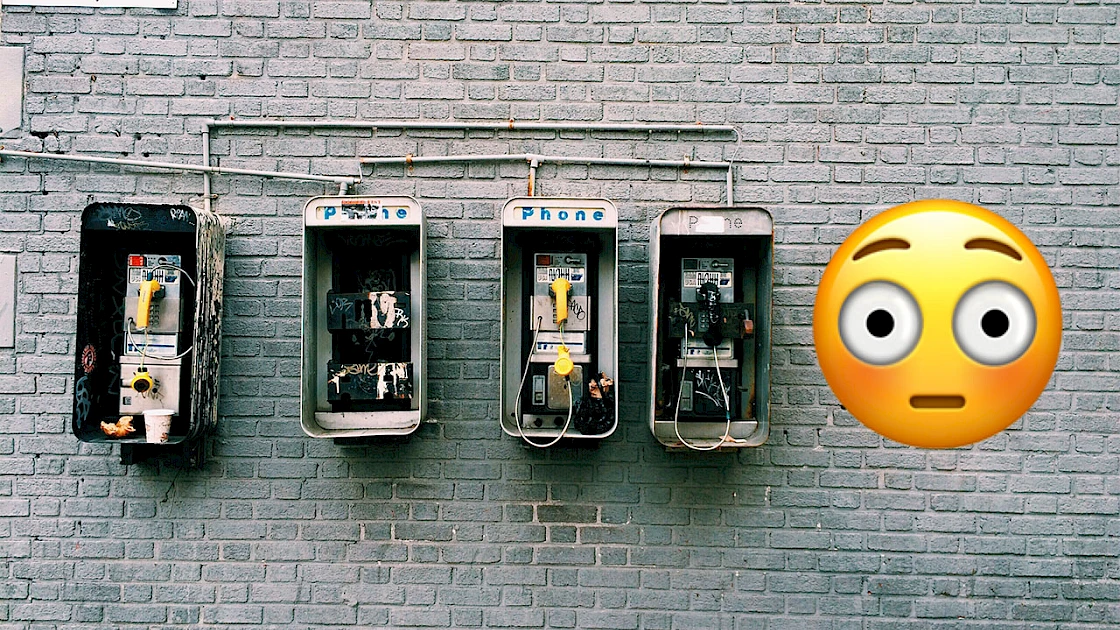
210, 239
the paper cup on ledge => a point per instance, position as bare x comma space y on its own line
157, 425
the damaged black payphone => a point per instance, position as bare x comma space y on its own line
711, 286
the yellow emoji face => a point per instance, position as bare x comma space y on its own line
937, 324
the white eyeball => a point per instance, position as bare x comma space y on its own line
880, 323
994, 323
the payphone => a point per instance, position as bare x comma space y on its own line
559, 319
148, 329
153, 324
711, 294
363, 317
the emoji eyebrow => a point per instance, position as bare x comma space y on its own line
881, 245
993, 245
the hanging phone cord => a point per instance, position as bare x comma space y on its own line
521, 388
680, 393
144, 349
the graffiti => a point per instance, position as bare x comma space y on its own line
370, 240
370, 381
373, 336
180, 214
126, 219
341, 309
706, 383
379, 280
402, 318
83, 401
577, 309
367, 369
682, 312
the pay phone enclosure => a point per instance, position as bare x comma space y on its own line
363, 317
125, 365
711, 290
546, 240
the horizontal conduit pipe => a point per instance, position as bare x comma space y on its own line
499, 126
469, 126
172, 166
534, 159
529, 157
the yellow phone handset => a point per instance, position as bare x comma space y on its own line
559, 290
142, 382
148, 288
563, 365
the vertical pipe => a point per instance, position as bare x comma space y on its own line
534, 162
206, 162
730, 185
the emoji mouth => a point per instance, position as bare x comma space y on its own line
937, 402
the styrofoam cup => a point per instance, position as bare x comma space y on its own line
157, 425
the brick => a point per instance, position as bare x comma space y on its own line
483, 32
341, 10
251, 8
62, 44
203, 28
61, 85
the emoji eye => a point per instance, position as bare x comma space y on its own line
880, 323
994, 323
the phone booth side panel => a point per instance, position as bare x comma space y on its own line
711, 277
363, 358
206, 370
559, 360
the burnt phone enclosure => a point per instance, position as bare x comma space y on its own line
148, 336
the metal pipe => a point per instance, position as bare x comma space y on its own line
189, 168
467, 126
409, 160
499, 126
529, 157
206, 201
633, 162
730, 185
534, 160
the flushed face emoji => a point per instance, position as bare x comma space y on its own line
937, 323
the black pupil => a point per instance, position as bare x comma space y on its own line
994, 323
880, 323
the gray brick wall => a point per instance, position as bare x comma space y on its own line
845, 109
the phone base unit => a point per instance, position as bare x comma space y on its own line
148, 328
559, 342
712, 277
363, 317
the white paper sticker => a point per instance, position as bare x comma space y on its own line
709, 225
